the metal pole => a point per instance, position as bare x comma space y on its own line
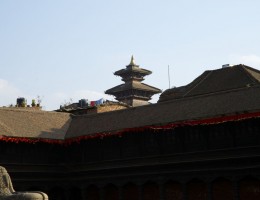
169, 79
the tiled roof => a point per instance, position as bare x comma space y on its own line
230, 91
133, 85
26, 123
225, 79
134, 68
185, 109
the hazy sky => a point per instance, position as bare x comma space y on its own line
62, 49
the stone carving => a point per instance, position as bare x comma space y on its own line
7, 191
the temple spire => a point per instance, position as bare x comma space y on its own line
132, 61
133, 92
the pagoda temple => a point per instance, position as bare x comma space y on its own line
133, 92
201, 141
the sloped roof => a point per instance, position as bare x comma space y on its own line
224, 79
200, 107
30, 123
133, 85
240, 96
134, 68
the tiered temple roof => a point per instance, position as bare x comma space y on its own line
217, 93
133, 92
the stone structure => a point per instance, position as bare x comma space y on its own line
200, 142
107, 106
133, 92
7, 191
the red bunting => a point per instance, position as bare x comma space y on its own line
70, 141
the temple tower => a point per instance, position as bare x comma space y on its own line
133, 92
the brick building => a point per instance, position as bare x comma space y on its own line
200, 141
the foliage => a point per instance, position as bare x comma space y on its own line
33, 103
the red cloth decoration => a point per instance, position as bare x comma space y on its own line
92, 103
121, 132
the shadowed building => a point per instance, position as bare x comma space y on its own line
199, 142
133, 92
106, 106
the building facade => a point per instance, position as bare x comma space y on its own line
200, 141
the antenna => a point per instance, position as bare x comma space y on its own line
169, 78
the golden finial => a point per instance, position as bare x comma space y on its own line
132, 60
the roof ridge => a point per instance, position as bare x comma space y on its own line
208, 94
136, 69
24, 110
149, 86
200, 81
248, 71
221, 91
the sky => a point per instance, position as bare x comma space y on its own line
69, 49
